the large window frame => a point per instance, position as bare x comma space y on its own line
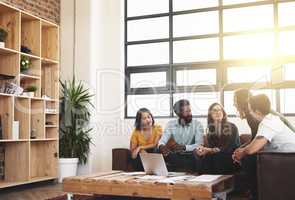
220, 65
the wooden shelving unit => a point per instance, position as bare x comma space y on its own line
33, 156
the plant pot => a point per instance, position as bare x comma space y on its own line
67, 167
2, 44
29, 94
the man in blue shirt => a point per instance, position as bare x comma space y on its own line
181, 136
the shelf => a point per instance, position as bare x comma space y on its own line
30, 33
38, 99
48, 24
48, 61
50, 38
52, 100
44, 140
27, 82
6, 95
14, 141
44, 178
10, 21
50, 80
29, 76
51, 126
6, 184
38, 118
22, 110
9, 62
7, 113
29, 160
49, 113
30, 56
7, 51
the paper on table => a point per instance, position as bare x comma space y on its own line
151, 177
174, 179
133, 173
206, 178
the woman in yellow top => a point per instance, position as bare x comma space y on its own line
145, 136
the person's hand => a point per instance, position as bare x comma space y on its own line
143, 151
199, 151
202, 151
238, 155
164, 150
135, 152
178, 148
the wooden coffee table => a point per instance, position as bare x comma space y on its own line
117, 183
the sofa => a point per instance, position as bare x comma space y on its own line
276, 175
121, 156
275, 171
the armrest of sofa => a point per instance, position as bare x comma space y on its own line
276, 175
120, 159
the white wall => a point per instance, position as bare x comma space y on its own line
66, 37
99, 62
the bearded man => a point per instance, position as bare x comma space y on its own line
181, 137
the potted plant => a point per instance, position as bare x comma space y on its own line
25, 63
74, 139
3, 36
30, 91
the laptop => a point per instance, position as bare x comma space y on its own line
154, 164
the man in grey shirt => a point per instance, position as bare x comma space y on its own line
181, 136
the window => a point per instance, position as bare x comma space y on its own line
146, 80
148, 54
196, 50
286, 14
196, 24
158, 104
203, 50
148, 29
289, 72
286, 43
196, 77
248, 19
146, 7
287, 101
179, 5
249, 46
229, 103
229, 2
252, 74
200, 101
